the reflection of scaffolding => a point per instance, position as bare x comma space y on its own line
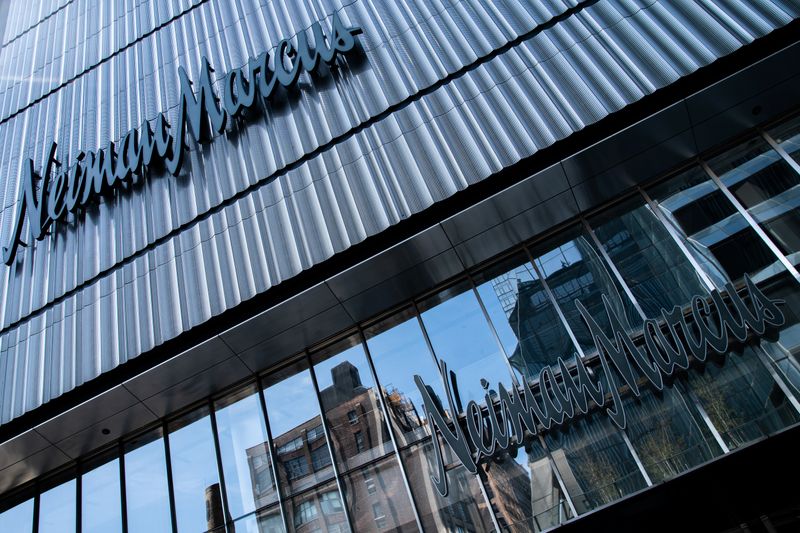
505, 287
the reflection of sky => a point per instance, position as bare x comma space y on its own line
100, 498
240, 428
461, 337
146, 493
558, 258
193, 470
398, 354
57, 509
18, 518
291, 402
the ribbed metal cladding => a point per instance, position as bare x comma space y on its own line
471, 87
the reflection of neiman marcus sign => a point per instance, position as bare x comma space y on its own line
96, 173
668, 342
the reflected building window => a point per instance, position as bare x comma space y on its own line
594, 462
379, 486
524, 317
574, 270
294, 414
318, 510
718, 236
351, 403
399, 351
767, 186
464, 507
246, 462
524, 490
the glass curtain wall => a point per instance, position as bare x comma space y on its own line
338, 440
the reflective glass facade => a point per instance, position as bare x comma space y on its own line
337, 439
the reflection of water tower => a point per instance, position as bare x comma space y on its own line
215, 517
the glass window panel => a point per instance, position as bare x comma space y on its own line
351, 403
295, 422
524, 490
785, 350
318, 510
266, 521
57, 509
18, 519
243, 446
787, 135
399, 351
101, 504
524, 317
594, 462
575, 271
767, 186
715, 233
195, 478
376, 498
461, 337
742, 400
668, 434
146, 491
464, 508
652, 265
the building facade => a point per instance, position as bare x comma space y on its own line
365, 265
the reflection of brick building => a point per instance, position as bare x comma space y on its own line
356, 425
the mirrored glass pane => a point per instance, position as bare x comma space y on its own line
57, 509
377, 499
464, 508
742, 400
594, 462
524, 490
246, 464
195, 478
265, 521
301, 448
462, 338
351, 404
715, 233
784, 352
319, 510
525, 319
101, 506
787, 135
575, 271
653, 266
767, 186
146, 492
668, 434
399, 352
18, 519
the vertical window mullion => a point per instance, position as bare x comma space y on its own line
272, 457
226, 516
170, 485
323, 419
460, 407
389, 421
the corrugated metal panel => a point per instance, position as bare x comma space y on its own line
255, 211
